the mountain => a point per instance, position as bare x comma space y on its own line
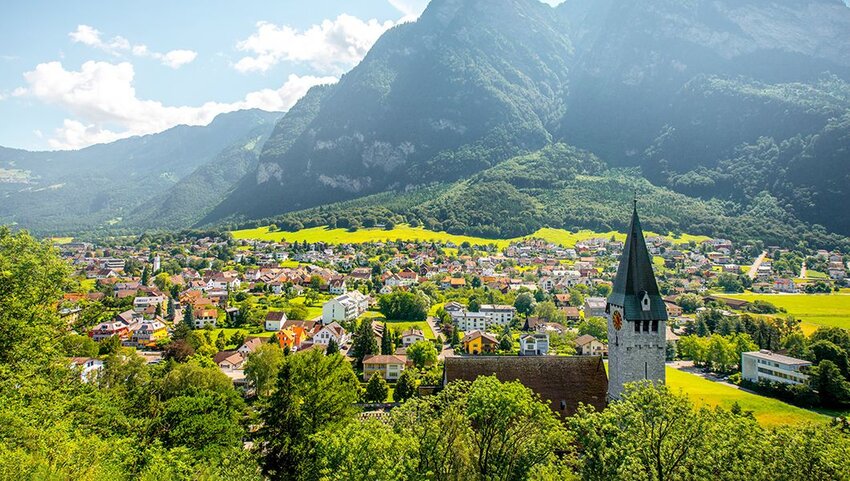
738, 101
100, 186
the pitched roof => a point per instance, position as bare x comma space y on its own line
571, 380
635, 277
584, 339
385, 359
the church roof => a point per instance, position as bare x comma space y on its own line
635, 276
562, 381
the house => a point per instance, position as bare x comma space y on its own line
453, 283
673, 310
275, 321
563, 381
534, 344
571, 313
147, 333
106, 330
291, 337
389, 366
331, 331
346, 307
469, 321
499, 314
453, 306
587, 345
766, 365
88, 367
410, 336
205, 317
594, 307
142, 303
337, 287
230, 360
784, 285
479, 342
250, 345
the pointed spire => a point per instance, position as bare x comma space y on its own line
635, 277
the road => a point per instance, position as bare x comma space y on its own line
447, 350
754, 269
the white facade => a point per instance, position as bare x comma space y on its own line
534, 344
331, 331
765, 365
346, 307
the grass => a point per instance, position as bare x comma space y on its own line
406, 232
813, 309
61, 240
401, 325
768, 411
87, 285
313, 311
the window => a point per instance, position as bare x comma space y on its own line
637, 326
654, 326
645, 326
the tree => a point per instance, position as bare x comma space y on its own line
186, 325
506, 342
474, 305
836, 335
313, 393
333, 348
689, 303
405, 387
729, 283
31, 278
825, 350
524, 304
146, 275
262, 367
387, 341
422, 354
549, 311
311, 297
594, 326
365, 343
455, 339
826, 378
179, 350
404, 306
376, 389
162, 281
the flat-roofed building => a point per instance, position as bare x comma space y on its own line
767, 365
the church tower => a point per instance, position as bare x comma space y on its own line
637, 318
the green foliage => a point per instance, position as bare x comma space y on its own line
376, 389
262, 367
524, 304
422, 354
404, 306
365, 343
405, 387
595, 326
313, 393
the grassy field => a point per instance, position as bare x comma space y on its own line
405, 232
769, 412
313, 311
813, 309
401, 325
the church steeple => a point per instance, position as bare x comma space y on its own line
635, 289
637, 318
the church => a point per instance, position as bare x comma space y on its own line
637, 319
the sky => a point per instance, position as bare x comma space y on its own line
73, 74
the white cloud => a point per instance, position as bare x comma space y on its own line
119, 45
553, 3
331, 47
411, 9
102, 100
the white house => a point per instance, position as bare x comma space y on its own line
143, 302
410, 336
206, 317
499, 314
88, 367
389, 366
331, 331
346, 307
764, 364
468, 321
534, 344
587, 345
337, 287
275, 321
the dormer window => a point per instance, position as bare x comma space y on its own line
644, 301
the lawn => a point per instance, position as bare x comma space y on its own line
405, 232
87, 285
401, 325
813, 309
313, 311
768, 411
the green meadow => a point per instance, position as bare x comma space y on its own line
406, 232
813, 309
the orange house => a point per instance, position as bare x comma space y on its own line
291, 337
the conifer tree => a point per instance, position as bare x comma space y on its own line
146, 275
387, 341
365, 343
376, 389
405, 387
333, 348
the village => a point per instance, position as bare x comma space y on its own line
423, 302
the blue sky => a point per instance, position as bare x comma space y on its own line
77, 73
